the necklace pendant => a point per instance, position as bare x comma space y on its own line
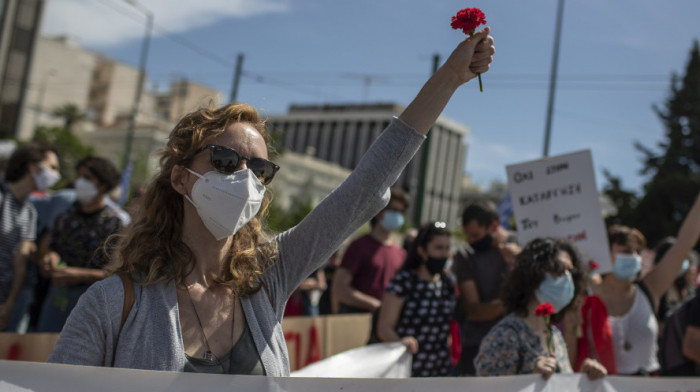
627, 346
209, 356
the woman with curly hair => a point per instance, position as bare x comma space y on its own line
544, 272
210, 286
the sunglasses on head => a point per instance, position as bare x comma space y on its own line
226, 160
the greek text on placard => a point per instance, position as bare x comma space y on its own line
549, 194
577, 237
519, 177
557, 168
528, 223
566, 218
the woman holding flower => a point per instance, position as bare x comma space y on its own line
209, 283
524, 342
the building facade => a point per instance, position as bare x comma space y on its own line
341, 134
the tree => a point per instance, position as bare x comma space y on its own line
279, 220
70, 114
675, 170
625, 201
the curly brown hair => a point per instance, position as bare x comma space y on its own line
536, 258
151, 250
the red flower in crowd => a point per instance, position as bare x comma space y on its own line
593, 265
468, 20
546, 309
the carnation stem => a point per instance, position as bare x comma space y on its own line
481, 86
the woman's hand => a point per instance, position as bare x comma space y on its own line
593, 369
49, 263
545, 366
411, 344
472, 56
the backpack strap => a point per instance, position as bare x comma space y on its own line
129, 298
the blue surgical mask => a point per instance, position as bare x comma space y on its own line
627, 266
684, 268
557, 291
391, 220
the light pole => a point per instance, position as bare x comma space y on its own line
141, 80
553, 78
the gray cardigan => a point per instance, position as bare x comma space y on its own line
151, 337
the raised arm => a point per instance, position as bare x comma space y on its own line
472, 56
660, 279
365, 192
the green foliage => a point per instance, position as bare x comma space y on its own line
279, 220
70, 114
674, 171
625, 201
70, 149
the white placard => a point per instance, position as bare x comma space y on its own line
16, 376
557, 197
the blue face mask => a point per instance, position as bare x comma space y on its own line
391, 220
557, 291
684, 268
627, 266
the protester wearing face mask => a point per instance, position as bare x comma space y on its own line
207, 303
518, 343
372, 260
619, 319
75, 256
417, 306
31, 167
481, 268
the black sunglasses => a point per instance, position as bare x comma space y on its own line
226, 160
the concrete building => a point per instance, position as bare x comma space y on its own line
185, 96
304, 178
63, 73
148, 140
341, 134
20, 21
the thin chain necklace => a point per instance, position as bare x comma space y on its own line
209, 355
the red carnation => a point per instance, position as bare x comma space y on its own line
593, 265
545, 309
468, 20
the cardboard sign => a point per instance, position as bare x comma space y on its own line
557, 197
34, 347
312, 339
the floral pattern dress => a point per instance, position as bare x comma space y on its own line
512, 347
425, 315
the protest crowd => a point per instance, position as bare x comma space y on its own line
72, 261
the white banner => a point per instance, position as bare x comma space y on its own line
16, 376
557, 197
382, 360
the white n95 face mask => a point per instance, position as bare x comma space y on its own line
46, 178
85, 190
225, 203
